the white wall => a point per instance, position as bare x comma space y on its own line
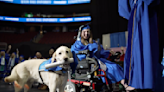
106, 41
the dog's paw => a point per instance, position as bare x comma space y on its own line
26, 86
17, 85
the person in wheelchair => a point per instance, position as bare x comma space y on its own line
114, 72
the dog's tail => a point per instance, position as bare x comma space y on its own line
13, 77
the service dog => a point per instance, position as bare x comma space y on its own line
25, 73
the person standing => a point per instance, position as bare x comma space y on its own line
4, 58
21, 59
141, 64
13, 60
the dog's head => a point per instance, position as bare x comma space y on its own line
62, 54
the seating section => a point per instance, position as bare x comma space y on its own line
58, 38
11, 38
48, 38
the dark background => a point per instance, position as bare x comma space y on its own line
104, 13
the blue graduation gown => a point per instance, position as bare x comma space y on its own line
6, 61
162, 67
7, 56
22, 60
141, 62
15, 63
114, 72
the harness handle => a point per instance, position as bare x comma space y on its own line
69, 75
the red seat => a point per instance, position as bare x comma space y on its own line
58, 37
16, 38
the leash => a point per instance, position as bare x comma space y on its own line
41, 77
48, 71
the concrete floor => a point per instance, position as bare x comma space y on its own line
5, 87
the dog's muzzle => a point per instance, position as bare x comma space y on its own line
66, 59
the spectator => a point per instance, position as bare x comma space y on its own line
21, 59
3, 63
41, 32
117, 54
38, 55
112, 56
7, 52
122, 54
4, 57
64, 28
51, 51
13, 60
56, 29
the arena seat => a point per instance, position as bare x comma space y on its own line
17, 38
58, 38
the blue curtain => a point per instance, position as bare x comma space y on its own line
117, 39
114, 39
122, 39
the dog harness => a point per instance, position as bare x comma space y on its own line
57, 69
61, 73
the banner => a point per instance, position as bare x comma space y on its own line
46, 20
47, 2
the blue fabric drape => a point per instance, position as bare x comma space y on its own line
122, 39
114, 39
162, 67
141, 64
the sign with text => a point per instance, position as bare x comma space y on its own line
47, 2
46, 20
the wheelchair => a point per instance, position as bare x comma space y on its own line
87, 76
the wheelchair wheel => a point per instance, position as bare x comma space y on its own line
70, 87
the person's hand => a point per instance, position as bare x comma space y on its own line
9, 47
99, 47
90, 40
17, 51
122, 48
112, 52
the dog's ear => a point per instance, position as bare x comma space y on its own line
53, 57
71, 55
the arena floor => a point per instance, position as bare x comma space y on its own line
4, 87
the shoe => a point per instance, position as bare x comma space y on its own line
73, 76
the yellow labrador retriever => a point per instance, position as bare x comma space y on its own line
25, 73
